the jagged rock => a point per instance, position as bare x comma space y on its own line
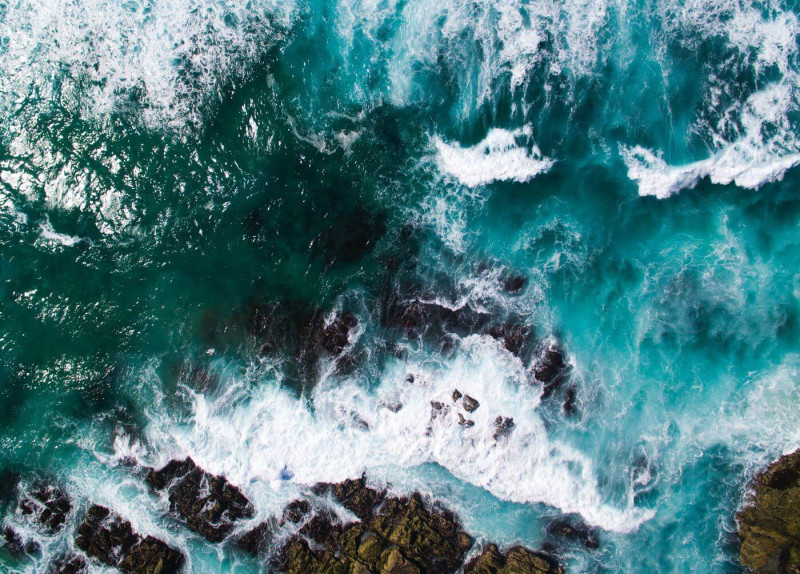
550, 368
69, 564
48, 505
577, 531
517, 560
394, 535
503, 427
513, 337
409, 378
16, 545
769, 525
464, 422
256, 539
109, 538
393, 406
208, 504
355, 495
470, 405
296, 510
456, 395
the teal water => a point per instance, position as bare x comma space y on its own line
168, 171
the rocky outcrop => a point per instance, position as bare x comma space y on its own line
515, 338
517, 560
394, 535
575, 530
208, 504
109, 538
550, 367
68, 564
769, 525
48, 506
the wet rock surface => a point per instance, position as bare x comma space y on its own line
517, 560
575, 530
550, 368
515, 338
109, 538
394, 535
769, 525
69, 564
48, 506
208, 504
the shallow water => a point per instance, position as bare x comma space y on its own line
168, 170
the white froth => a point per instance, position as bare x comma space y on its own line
499, 157
274, 441
49, 234
749, 168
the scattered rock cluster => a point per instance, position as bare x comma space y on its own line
515, 561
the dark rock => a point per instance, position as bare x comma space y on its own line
69, 564
466, 423
456, 395
336, 335
470, 405
416, 318
16, 545
395, 407
48, 505
436, 406
257, 539
109, 538
570, 399
769, 525
409, 378
296, 510
517, 560
514, 337
573, 530
432, 539
503, 427
550, 368
514, 283
208, 504
355, 495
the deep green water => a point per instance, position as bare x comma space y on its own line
168, 170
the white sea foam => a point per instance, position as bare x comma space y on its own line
49, 234
501, 156
753, 136
272, 441
750, 168
175, 55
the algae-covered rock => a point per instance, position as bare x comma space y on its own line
109, 538
208, 504
517, 560
769, 527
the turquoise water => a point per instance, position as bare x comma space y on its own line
168, 171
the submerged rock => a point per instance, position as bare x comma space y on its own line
208, 504
514, 282
15, 544
503, 426
256, 539
109, 538
769, 526
574, 530
336, 335
517, 560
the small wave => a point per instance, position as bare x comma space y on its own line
499, 157
737, 164
48, 233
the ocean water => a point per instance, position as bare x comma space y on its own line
169, 170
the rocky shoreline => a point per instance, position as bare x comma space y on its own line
384, 535
769, 524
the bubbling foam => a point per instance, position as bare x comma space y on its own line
274, 441
499, 157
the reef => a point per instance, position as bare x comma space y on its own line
109, 538
769, 525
